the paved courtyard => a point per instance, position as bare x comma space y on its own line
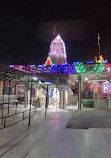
90, 118
48, 137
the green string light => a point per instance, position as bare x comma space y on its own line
101, 67
95, 72
80, 68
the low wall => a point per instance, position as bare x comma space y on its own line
101, 103
109, 103
73, 99
12, 98
96, 103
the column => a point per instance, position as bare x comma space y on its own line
26, 99
1, 89
36, 92
79, 91
40, 95
62, 100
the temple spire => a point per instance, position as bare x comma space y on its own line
57, 51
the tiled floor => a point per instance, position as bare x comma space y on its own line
48, 137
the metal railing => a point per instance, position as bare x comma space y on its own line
35, 112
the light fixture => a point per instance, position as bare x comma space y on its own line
86, 79
35, 78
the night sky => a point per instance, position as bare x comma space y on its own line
26, 29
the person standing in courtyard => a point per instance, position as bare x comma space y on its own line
38, 103
47, 101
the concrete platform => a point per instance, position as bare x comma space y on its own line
48, 137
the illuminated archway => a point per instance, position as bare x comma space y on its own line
106, 88
95, 87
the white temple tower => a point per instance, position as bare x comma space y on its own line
57, 51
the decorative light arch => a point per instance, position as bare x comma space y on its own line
106, 87
95, 87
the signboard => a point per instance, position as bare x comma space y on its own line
60, 80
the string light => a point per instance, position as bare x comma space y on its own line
80, 68
76, 67
66, 68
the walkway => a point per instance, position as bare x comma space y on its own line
48, 137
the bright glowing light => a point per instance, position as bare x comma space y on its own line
39, 82
58, 36
86, 79
11, 65
108, 69
35, 78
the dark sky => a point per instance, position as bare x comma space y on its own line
26, 29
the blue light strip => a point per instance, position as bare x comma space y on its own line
58, 69
90, 62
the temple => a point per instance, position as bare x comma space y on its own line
79, 84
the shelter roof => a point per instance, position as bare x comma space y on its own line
17, 76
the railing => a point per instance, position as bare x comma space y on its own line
35, 112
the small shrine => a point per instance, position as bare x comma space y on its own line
48, 62
100, 60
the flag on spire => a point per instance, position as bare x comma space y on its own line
98, 39
54, 29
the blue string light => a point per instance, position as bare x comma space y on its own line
58, 69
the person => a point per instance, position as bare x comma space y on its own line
47, 101
38, 102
